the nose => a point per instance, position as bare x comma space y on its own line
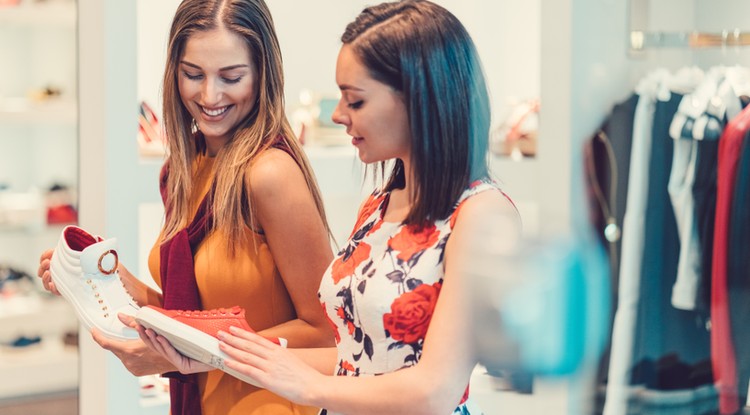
212, 93
339, 116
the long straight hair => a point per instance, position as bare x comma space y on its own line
263, 127
424, 52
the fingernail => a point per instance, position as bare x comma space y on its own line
221, 335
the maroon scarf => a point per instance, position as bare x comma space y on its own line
180, 291
179, 288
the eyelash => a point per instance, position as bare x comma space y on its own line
199, 77
355, 105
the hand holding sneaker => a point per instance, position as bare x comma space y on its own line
137, 357
84, 269
187, 336
44, 273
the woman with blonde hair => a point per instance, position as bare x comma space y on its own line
244, 221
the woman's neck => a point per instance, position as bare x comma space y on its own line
215, 144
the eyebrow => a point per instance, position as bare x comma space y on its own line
226, 68
346, 87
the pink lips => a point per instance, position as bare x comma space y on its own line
218, 117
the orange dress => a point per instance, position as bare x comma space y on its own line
249, 280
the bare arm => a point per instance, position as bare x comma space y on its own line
140, 291
298, 242
437, 382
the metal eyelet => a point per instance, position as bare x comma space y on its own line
114, 266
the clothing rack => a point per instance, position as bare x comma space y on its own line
640, 40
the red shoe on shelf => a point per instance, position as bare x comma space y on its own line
193, 333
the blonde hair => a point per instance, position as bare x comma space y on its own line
266, 125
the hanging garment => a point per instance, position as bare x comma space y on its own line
738, 269
607, 156
632, 246
690, 123
657, 83
702, 115
722, 350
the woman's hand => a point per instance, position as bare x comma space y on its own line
274, 367
138, 358
161, 345
44, 273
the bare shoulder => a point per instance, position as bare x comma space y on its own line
272, 171
488, 213
489, 202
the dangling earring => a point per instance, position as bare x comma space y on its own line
194, 126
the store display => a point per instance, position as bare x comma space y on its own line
13, 281
84, 269
517, 135
60, 205
21, 209
150, 134
193, 333
312, 121
39, 123
21, 343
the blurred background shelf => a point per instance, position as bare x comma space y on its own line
46, 368
54, 111
51, 13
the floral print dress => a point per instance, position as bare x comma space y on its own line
380, 291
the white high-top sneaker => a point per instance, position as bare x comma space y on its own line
84, 269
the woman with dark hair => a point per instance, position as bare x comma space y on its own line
413, 98
244, 221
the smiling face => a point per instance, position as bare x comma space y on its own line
217, 83
374, 114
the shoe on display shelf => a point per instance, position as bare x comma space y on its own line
193, 333
84, 269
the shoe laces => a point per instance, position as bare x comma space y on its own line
98, 296
216, 312
100, 299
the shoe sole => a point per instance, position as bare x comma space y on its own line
83, 317
189, 341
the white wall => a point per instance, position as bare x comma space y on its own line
506, 34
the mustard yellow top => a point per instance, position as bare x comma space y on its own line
249, 280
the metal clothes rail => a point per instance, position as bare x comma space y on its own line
647, 40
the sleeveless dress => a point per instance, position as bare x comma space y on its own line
250, 280
381, 289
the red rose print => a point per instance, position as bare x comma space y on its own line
342, 269
333, 325
342, 315
411, 313
454, 215
367, 209
411, 240
466, 395
375, 227
346, 368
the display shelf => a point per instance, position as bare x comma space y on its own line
51, 13
45, 368
33, 315
44, 231
53, 111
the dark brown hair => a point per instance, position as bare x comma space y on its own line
423, 51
